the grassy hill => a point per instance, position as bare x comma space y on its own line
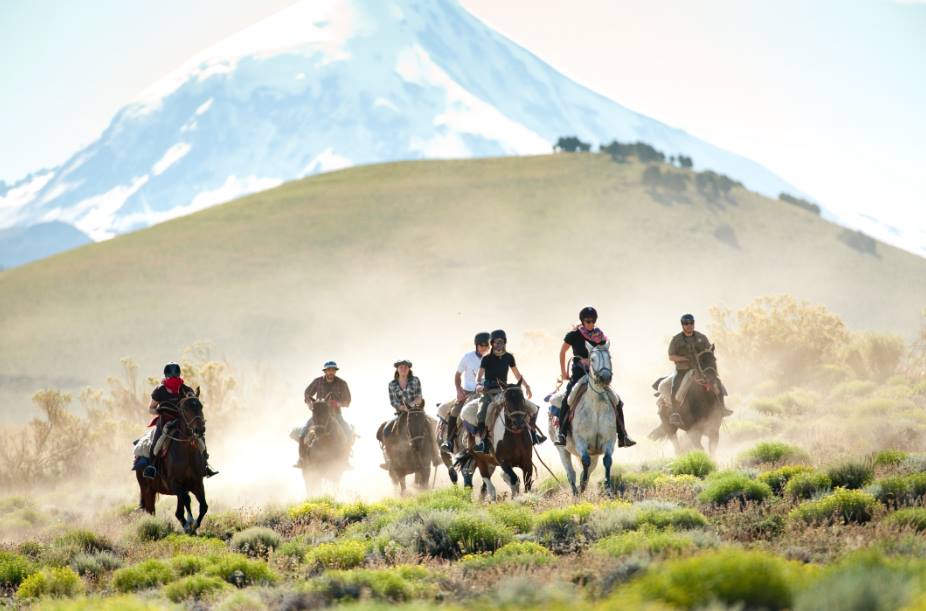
409, 259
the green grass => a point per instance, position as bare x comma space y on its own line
807, 485
914, 518
194, 587
776, 479
13, 569
696, 463
339, 555
146, 574
843, 506
54, 582
851, 474
771, 452
730, 486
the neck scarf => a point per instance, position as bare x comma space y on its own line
173, 385
595, 337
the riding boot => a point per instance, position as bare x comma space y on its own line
451, 435
482, 447
675, 418
563, 427
623, 439
151, 471
537, 437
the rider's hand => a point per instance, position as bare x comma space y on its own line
528, 390
332, 403
460, 395
480, 388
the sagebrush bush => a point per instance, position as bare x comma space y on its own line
13, 569
769, 452
95, 565
562, 529
522, 554
730, 486
85, 541
914, 518
737, 578
889, 458
851, 474
195, 587
807, 485
223, 524
146, 574
188, 564
679, 518
255, 541
154, 528
891, 491
339, 554
696, 463
121, 602
861, 582
55, 582
296, 550
477, 533
517, 517
649, 541
777, 478
241, 571
398, 584
842, 505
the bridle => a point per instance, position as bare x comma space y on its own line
188, 423
596, 369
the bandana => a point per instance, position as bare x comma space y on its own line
595, 337
173, 385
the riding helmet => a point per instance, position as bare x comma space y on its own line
498, 334
687, 318
588, 312
172, 370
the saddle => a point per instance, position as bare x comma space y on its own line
578, 391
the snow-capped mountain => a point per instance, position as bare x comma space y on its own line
326, 84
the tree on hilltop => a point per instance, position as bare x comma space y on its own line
571, 144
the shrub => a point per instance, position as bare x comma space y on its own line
649, 541
777, 478
359, 510
398, 584
517, 517
561, 529
695, 463
223, 525
914, 518
323, 509
842, 504
892, 491
339, 554
730, 486
194, 587
753, 580
807, 485
524, 554
772, 452
187, 564
682, 518
255, 541
109, 603
246, 601
861, 582
85, 541
186, 544
444, 498
154, 528
56, 582
13, 569
241, 571
475, 533
95, 565
295, 550
917, 484
889, 458
850, 474
147, 574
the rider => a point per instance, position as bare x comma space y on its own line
168, 394
404, 393
334, 390
683, 351
575, 339
465, 382
491, 380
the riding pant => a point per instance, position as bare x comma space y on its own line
578, 371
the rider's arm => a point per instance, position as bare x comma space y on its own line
458, 381
152, 406
394, 399
520, 378
562, 361
345, 396
310, 391
480, 376
674, 350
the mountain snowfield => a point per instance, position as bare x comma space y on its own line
323, 85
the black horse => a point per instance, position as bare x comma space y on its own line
182, 469
701, 412
325, 449
409, 446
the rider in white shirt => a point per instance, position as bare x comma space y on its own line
465, 382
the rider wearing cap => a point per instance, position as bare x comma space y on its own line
334, 390
575, 340
491, 380
465, 382
168, 394
683, 351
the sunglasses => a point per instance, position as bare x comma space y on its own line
687, 324
589, 321
483, 344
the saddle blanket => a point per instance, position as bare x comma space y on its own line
143, 444
665, 388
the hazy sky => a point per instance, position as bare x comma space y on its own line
829, 94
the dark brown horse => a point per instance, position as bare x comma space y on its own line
701, 412
409, 446
325, 449
512, 447
182, 469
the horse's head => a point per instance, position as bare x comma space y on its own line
191, 414
599, 358
707, 366
321, 411
515, 412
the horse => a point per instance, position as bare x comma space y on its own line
511, 446
325, 449
594, 427
409, 446
182, 470
701, 411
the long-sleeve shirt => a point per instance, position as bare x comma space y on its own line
320, 388
406, 397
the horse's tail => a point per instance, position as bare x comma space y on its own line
379, 432
659, 433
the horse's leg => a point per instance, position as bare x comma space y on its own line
486, 472
606, 461
512, 479
582, 451
467, 479
566, 459
675, 444
180, 509
694, 436
713, 438
200, 493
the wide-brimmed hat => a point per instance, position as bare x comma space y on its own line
403, 362
330, 365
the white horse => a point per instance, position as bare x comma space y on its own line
594, 429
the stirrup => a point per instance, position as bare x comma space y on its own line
210, 471
675, 419
560, 439
384, 466
625, 442
150, 472
447, 446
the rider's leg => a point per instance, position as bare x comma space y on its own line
576, 374
305, 431
676, 418
483, 446
537, 437
201, 442
151, 471
623, 439
452, 419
